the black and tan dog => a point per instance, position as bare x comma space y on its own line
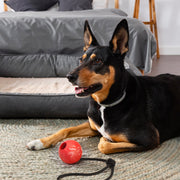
132, 113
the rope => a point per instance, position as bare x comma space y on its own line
110, 163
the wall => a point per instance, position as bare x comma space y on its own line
168, 20
1, 5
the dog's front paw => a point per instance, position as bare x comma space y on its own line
103, 146
35, 145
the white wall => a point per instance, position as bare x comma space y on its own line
168, 19
1, 5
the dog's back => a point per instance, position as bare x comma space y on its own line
163, 103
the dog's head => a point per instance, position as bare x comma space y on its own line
100, 65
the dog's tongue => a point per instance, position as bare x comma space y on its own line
79, 90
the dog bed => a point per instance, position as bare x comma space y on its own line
36, 87
40, 97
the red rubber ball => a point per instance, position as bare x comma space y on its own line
70, 151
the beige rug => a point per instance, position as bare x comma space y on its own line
17, 163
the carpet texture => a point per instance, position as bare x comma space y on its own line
16, 162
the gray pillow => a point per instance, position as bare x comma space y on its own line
74, 5
30, 5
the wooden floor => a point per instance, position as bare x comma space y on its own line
166, 64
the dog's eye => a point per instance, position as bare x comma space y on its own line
98, 61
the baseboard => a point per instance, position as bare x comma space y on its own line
169, 50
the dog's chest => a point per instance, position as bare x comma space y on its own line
102, 128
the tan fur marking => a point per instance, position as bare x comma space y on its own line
142, 71
92, 56
87, 78
107, 82
124, 50
92, 124
107, 147
83, 130
84, 56
90, 38
85, 48
119, 138
87, 38
114, 41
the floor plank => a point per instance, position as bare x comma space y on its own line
166, 64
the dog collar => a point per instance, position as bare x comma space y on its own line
116, 102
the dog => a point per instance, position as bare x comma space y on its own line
131, 113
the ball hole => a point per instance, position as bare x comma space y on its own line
63, 145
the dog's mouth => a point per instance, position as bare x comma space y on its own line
86, 91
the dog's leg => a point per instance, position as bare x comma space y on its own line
107, 147
148, 139
83, 130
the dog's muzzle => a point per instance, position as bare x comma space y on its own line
72, 77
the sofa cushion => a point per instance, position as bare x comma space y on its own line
74, 5
30, 5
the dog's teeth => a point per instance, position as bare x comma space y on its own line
79, 90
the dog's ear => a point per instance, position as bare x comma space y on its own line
119, 41
89, 38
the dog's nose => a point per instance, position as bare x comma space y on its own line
71, 77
